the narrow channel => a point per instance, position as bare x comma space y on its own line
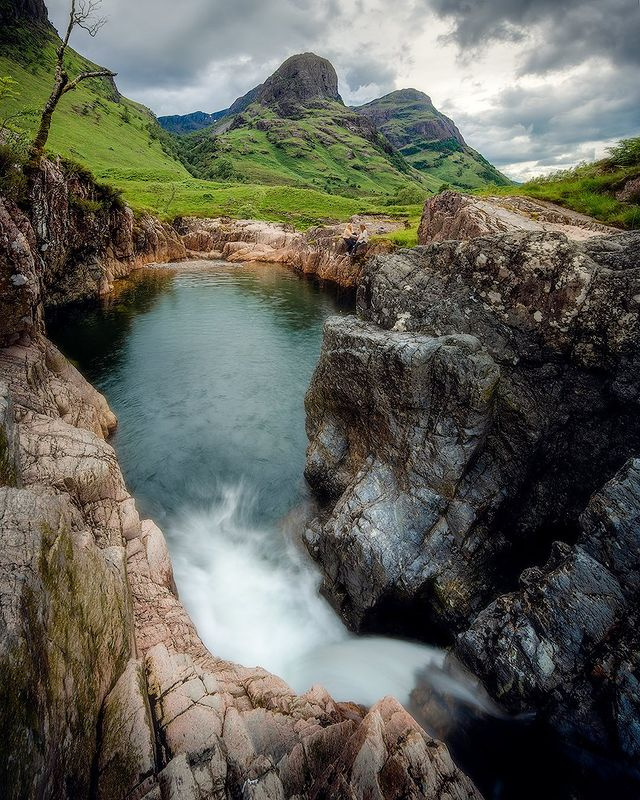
206, 367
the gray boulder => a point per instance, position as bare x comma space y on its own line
462, 424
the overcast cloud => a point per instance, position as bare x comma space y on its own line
534, 85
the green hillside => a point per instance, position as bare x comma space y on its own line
94, 124
430, 141
323, 146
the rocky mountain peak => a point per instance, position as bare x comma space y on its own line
31, 10
301, 78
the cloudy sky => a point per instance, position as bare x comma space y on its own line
534, 85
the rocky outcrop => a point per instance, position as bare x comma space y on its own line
318, 252
487, 391
77, 238
566, 642
20, 306
300, 79
630, 190
87, 237
12, 11
451, 215
65, 621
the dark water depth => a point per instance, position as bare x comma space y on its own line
206, 367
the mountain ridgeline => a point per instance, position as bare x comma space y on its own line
294, 128
288, 150
429, 140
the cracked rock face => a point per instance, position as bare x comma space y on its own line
82, 240
566, 642
488, 390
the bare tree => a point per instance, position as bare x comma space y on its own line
82, 15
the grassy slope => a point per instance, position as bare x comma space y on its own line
322, 150
120, 142
444, 160
92, 125
300, 207
589, 189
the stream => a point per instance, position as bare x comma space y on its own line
206, 367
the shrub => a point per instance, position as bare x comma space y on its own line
626, 153
13, 181
84, 205
408, 196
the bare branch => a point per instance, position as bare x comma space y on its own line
72, 20
85, 16
100, 73
81, 15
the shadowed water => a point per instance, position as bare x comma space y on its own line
206, 367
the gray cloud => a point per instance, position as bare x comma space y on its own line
569, 32
554, 126
583, 53
167, 44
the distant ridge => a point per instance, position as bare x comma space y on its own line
429, 140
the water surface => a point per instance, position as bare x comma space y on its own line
206, 367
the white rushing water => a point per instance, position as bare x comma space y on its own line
255, 601
207, 375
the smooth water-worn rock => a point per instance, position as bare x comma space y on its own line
488, 390
319, 252
452, 215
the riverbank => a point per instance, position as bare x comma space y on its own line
130, 703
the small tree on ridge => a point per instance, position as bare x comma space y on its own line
81, 15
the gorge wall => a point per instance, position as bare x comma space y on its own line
107, 691
475, 462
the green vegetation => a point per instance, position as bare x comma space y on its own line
93, 125
323, 146
430, 142
300, 207
592, 188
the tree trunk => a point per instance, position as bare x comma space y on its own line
39, 143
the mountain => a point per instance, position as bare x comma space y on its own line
301, 79
188, 123
429, 140
295, 129
34, 11
301, 114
